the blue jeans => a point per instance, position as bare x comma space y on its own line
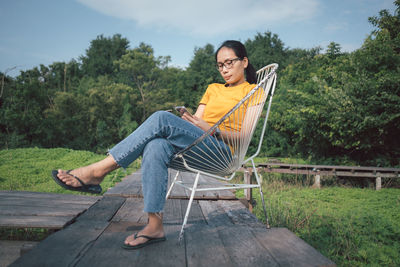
157, 140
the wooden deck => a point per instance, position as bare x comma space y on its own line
22, 209
131, 186
219, 233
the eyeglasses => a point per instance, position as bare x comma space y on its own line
228, 63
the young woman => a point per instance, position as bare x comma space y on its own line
161, 136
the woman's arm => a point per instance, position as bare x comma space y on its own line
227, 136
197, 118
200, 111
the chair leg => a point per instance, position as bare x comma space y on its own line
172, 185
261, 194
189, 206
265, 210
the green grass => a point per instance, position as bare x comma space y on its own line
29, 169
351, 226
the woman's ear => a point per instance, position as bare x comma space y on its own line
245, 62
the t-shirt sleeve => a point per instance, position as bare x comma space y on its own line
206, 96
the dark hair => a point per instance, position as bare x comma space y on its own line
240, 52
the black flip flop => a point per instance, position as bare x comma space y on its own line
150, 240
87, 188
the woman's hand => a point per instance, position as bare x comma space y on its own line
196, 121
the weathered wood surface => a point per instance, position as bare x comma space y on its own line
219, 233
24, 209
131, 186
10, 250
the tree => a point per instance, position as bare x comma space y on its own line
200, 73
3, 81
333, 50
100, 56
265, 49
144, 69
345, 105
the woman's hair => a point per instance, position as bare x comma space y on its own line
241, 53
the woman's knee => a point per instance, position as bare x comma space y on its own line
161, 114
158, 148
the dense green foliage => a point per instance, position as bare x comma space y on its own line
351, 226
332, 105
29, 169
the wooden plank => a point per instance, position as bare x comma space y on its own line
243, 248
131, 211
66, 198
239, 214
220, 194
214, 214
352, 171
178, 191
128, 190
10, 250
196, 214
103, 210
50, 222
225, 214
107, 251
64, 248
320, 167
52, 203
130, 186
172, 212
40, 211
204, 181
168, 253
288, 249
204, 247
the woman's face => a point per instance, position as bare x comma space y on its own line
233, 74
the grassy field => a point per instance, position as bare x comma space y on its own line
351, 226
29, 169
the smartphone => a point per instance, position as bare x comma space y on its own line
181, 109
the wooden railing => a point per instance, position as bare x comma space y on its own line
339, 171
318, 171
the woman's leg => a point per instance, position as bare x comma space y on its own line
160, 124
91, 174
156, 157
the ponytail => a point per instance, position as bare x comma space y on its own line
251, 75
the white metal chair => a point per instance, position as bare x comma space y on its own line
221, 158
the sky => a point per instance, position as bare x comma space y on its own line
35, 32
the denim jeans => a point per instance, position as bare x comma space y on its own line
157, 140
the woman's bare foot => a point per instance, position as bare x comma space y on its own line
90, 175
153, 229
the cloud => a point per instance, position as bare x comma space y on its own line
206, 17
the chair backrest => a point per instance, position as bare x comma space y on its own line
239, 124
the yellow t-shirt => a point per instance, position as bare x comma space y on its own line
220, 99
